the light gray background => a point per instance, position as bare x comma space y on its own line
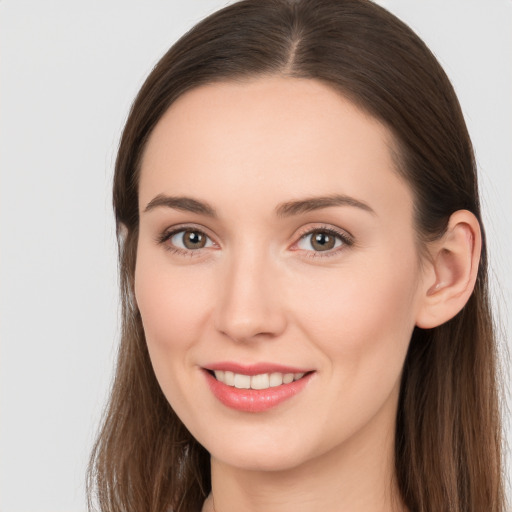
69, 71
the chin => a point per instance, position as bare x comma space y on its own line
260, 454
260, 461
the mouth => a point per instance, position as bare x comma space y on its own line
253, 389
259, 381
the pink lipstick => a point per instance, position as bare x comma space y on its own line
256, 387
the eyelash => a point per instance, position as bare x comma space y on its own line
167, 235
346, 241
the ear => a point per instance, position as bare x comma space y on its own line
452, 270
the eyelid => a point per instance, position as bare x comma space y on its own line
169, 232
346, 238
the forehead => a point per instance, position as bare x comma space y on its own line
273, 136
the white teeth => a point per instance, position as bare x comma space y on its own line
260, 381
287, 378
276, 379
242, 381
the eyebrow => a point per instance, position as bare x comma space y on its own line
291, 208
288, 209
186, 204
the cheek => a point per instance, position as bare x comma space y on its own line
173, 305
170, 302
360, 322
362, 316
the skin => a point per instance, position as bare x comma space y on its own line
259, 291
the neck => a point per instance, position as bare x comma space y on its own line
354, 477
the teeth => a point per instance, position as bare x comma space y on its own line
229, 378
260, 381
242, 381
287, 378
276, 379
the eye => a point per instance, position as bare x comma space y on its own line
187, 240
322, 240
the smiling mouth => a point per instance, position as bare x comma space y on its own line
254, 391
259, 382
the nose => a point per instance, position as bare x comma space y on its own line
250, 305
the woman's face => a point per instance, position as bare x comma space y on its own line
276, 239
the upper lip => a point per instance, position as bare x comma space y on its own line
255, 368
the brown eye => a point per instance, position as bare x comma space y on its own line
320, 240
190, 239
194, 240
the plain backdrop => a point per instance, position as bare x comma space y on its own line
68, 73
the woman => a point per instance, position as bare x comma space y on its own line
306, 323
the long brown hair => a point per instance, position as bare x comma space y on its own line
448, 437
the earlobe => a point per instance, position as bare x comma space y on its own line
454, 264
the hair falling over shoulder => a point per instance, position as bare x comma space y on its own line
448, 454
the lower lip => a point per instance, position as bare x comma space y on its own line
255, 400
